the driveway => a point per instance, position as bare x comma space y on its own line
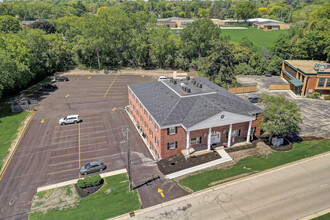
315, 113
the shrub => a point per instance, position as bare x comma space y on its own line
94, 180
316, 95
170, 159
327, 98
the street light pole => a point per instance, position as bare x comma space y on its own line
125, 132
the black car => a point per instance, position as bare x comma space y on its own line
61, 78
253, 99
50, 86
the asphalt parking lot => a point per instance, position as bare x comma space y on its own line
50, 153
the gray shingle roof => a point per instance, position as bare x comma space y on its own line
169, 108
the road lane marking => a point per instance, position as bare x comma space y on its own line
142, 75
160, 191
61, 126
114, 109
83, 145
67, 95
110, 87
20, 139
89, 77
55, 164
84, 152
62, 171
95, 116
42, 121
79, 148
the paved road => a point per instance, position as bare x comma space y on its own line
49, 153
287, 193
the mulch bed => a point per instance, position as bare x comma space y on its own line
243, 147
179, 162
89, 190
311, 138
282, 148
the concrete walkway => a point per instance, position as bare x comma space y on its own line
224, 158
70, 182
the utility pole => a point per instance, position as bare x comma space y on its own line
125, 131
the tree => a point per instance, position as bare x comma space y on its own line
9, 24
246, 10
280, 115
187, 12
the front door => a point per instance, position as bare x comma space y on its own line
215, 137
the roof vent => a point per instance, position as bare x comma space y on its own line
188, 90
194, 82
188, 78
327, 65
182, 84
200, 85
174, 81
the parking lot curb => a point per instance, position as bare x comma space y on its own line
70, 182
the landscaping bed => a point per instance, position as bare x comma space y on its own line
243, 147
282, 148
179, 162
253, 164
89, 190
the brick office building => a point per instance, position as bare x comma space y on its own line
307, 76
181, 114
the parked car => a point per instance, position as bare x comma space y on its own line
253, 99
50, 86
162, 78
61, 78
70, 119
268, 74
92, 167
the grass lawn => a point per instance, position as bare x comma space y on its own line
111, 200
250, 165
259, 38
9, 124
323, 217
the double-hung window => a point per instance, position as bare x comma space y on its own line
172, 130
321, 82
172, 145
196, 140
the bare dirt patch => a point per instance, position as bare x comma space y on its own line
55, 199
155, 72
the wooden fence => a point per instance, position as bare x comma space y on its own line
243, 89
279, 86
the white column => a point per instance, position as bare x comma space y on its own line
209, 140
188, 143
249, 133
229, 135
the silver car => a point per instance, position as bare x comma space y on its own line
92, 167
70, 119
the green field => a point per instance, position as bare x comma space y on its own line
111, 200
255, 164
259, 38
323, 217
9, 124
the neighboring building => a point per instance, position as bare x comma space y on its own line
175, 115
259, 23
180, 22
307, 76
271, 25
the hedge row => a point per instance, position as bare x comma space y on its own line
94, 180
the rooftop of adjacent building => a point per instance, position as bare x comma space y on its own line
308, 66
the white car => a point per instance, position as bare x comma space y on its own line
69, 119
162, 78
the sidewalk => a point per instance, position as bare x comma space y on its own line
70, 182
224, 158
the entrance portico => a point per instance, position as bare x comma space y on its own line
218, 128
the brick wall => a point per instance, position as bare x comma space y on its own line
180, 137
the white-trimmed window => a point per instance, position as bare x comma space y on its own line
196, 140
146, 126
172, 145
150, 119
141, 106
156, 141
145, 113
156, 127
236, 133
141, 119
172, 130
